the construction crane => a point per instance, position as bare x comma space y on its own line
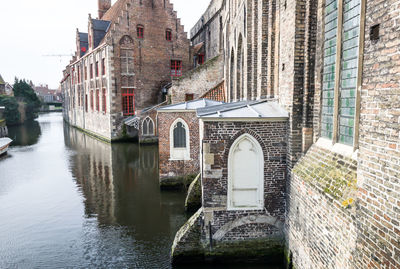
58, 55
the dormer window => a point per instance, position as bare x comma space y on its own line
140, 31
168, 35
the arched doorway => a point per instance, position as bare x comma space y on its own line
245, 174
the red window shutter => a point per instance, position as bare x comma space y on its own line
128, 102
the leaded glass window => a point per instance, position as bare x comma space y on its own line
179, 136
349, 70
341, 80
331, 21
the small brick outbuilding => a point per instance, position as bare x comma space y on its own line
178, 135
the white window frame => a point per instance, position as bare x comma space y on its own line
260, 197
143, 122
179, 154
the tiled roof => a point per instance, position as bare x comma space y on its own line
197, 48
114, 11
191, 105
2, 82
263, 109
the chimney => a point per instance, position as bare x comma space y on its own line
104, 5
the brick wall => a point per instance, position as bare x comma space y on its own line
217, 140
197, 81
379, 151
334, 220
171, 168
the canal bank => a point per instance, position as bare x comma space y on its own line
69, 199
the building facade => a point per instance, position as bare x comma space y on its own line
333, 66
122, 63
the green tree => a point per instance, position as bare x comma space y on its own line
11, 114
25, 93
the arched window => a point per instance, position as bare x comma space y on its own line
179, 135
245, 174
148, 126
179, 140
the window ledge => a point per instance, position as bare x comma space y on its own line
177, 159
345, 150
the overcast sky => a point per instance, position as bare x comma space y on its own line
31, 29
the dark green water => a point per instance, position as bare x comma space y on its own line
70, 201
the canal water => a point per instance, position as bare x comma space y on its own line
68, 200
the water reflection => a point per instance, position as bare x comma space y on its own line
120, 186
25, 134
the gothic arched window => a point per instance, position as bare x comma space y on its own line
148, 126
179, 136
179, 140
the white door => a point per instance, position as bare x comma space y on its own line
245, 174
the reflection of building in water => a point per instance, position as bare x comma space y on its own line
92, 168
120, 185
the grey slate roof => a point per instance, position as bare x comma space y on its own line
100, 29
262, 109
191, 105
84, 42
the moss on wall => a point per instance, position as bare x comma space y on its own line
333, 174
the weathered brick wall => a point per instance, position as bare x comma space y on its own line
353, 226
379, 150
197, 81
217, 140
207, 30
152, 54
320, 226
172, 168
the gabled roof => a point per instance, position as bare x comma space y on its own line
244, 110
100, 28
2, 82
198, 47
189, 106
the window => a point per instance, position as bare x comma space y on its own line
91, 100
176, 68
148, 127
179, 136
168, 35
140, 31
126, 61
85, 72
103, 67
79, 74
91, 70
86, 103
97, 68
104, 98
179, 140
245, 174
97, 100
189, 96
340, 76
128, 102
200, 59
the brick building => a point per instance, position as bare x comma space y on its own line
122, 63
178, 135
333, 66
